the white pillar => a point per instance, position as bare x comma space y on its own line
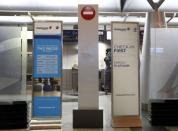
145, 60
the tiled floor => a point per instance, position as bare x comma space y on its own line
105, 104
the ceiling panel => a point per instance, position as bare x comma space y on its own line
170, 6
143, 6
57, 5
137, 6
72, 5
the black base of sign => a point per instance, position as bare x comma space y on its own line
87, 118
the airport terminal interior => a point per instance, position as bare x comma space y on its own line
89, 65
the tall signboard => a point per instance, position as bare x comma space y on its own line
88, 115
125, 75
47, 69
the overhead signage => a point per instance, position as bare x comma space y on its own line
70, 36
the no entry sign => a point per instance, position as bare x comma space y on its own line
88, 12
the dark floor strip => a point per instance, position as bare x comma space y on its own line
149, 129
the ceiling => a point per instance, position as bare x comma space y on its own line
72, 5
66, 10
143, 5
57, 5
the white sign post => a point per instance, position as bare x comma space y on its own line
125, 75
88, 115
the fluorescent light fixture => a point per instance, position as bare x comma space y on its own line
108, 19
15, 19
66, 20
156, 1
73, 20
102, 19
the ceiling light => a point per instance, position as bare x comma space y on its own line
156, 1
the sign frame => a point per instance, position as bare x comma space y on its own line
120, 120
60, 106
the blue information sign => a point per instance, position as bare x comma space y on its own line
47, 106
47, 69
47, 56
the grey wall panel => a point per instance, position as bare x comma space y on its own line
67, 79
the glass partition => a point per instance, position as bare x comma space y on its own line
163, 74
10, 60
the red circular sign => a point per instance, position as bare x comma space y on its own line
88, 12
